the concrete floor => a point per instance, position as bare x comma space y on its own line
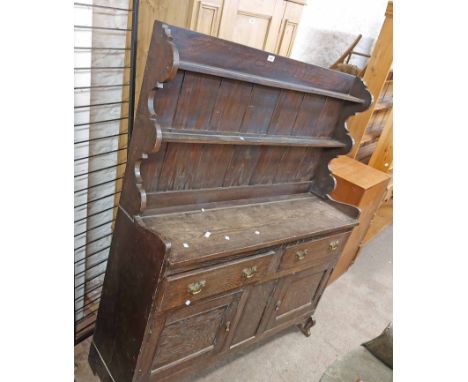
354, 309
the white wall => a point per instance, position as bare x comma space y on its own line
328, 27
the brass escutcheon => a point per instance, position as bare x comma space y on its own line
249, 272
195, 288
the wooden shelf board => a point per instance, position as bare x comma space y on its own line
220, 138
265, 81
245, 228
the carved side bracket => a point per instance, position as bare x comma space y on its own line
161, 66
324, 182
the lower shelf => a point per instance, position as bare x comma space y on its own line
223, 138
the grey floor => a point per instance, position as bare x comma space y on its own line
354, 309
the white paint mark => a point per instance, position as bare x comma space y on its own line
227, 237
185, 245
207, 234
188, 302
202, 210
242, 138
257, 232
271, 58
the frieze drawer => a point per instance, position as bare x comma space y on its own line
193, 286
312, 252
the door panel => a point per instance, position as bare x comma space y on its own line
288, 29
296, 295
251, 29
194, 331
253, 23
299, 294
206, 16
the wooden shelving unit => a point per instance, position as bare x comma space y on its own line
377, 123
373, 130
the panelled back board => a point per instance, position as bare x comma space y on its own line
225, 232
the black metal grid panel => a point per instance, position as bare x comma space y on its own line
105, 56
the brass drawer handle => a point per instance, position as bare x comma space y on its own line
301, 254
195, 288
334, 245
249, 272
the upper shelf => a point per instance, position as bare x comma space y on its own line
266, 81
223, 138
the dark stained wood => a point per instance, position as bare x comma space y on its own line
266, 81
258, 298
225, 233
297, 293
126, 294
306, 326
205, 197
184, 136
248, 228
224, 277
204, 327
312, 252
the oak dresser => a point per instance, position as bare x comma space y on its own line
225, 232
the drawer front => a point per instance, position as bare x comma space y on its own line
192, 286
313, 252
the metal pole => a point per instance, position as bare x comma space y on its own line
133, 56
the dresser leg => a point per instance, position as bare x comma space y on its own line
306, 326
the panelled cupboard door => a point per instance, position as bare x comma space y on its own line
288, 29
254, 23
206, 16
295, 295
194, 332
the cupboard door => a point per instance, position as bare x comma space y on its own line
206, 16
254, 23
288, 29
193, 332
297, 295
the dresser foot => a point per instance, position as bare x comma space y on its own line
306, 326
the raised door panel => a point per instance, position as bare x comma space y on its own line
193, 332
254, 23
288, 29
206, 16
297, 295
